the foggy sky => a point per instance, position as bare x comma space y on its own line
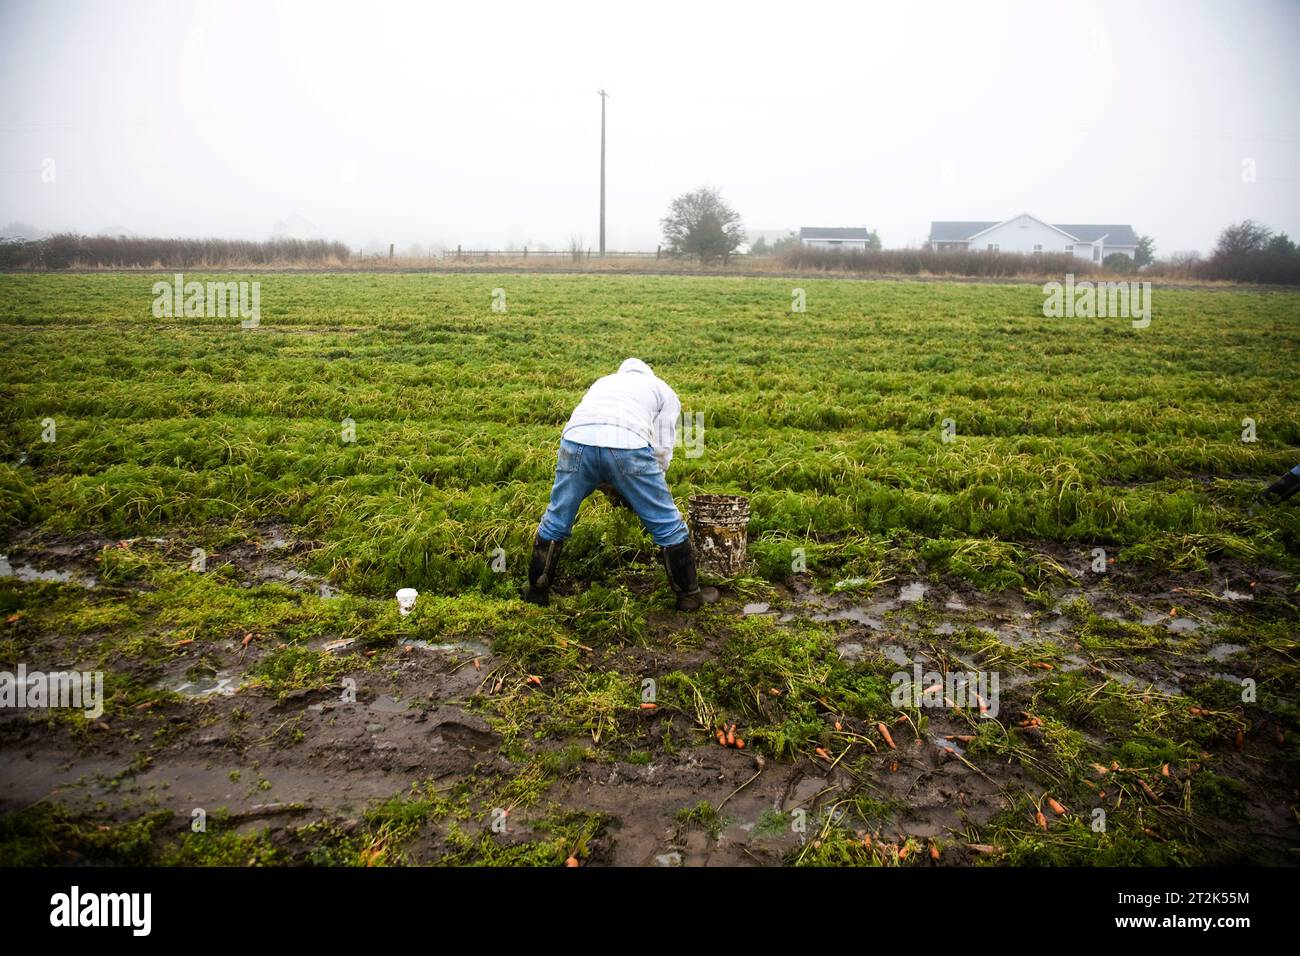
480, 124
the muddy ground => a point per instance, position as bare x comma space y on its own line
272, 763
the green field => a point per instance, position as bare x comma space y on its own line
172, 435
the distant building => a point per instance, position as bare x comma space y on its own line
1025, 233
835, 238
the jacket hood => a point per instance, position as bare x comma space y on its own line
635, 365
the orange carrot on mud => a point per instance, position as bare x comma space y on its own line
731, 736
1056, 807
646, 705
884, 732
822, 752
722, 736
740, 743
1040, 819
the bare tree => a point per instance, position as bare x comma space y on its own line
1241, 239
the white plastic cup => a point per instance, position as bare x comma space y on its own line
406, 600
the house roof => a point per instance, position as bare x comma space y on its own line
822, 232
957, 231
1116, 235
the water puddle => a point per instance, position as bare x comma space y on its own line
472, 647
944, 744
215, 685
32, 575
851, 651
1221, 652
858, 615
896, 655
913, 592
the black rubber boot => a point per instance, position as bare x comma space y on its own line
1282, 489
679, 562
541, 570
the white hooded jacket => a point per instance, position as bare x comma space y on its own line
630, 409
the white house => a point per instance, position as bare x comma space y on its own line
1025, 233
834, 238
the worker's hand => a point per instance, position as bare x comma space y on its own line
614, 497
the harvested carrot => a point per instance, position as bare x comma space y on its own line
1042, 665
1040, 819
821, 752
534, 679
902, 852
838, 725
774, 692
884, 732
247, 640
646, 705
934, 852
740, 743
1056, 807
960, 738
722, 736
572, 861
1164, 771
731, 736
478, 665
1241, 739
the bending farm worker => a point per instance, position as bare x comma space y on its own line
620, 437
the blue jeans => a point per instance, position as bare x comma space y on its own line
634, 473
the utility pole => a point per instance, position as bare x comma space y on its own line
603, 96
